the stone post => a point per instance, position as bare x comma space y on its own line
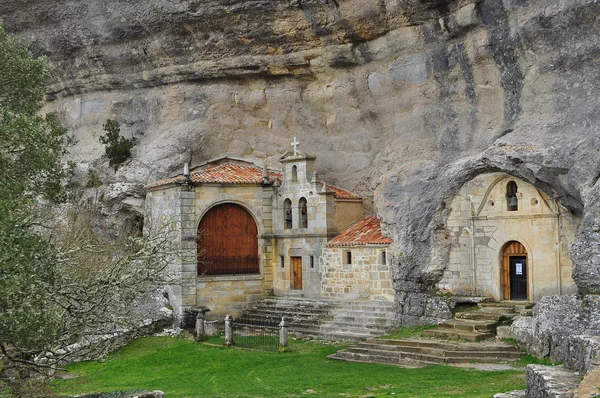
283, 335
228, 331
200, 325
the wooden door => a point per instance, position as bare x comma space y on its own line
514, 272
297, 273
227, 242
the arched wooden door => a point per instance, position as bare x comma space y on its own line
514, 271
227, 242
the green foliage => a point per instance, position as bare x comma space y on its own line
118, 148
31, 150
409, 331
93, 180
183, 368
60, 280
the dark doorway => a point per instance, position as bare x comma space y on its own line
514, 271
518, 278
227, 242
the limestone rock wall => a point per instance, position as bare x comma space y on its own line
402, 101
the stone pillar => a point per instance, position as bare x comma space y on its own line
228, 331
266, 241
188, 245
283, 335
200, 325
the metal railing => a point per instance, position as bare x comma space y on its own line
257, 333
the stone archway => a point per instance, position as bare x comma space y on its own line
515, 273
227, 241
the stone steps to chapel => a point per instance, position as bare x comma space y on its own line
443, 344
455, 334
481, 354
427, 352
469, 325
481, 315
289, 315
440, 356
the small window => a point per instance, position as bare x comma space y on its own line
383, 257
294, 173
512, 203
312, 261
303, 211
282, 261
287, 214
347, 257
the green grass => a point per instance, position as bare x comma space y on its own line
183, 368
409, 331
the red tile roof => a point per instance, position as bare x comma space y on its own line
226, 173
367, 231
229, 173
342, 194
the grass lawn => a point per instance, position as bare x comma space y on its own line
183, 368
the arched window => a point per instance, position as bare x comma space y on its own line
287, 214
303, 212
294, 173
512, 203
227, 242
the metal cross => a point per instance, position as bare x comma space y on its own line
295, 145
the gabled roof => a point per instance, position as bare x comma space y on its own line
342, 194
230, 172
366, 231
225, 173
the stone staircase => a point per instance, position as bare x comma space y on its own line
479, 324
421, 352
331, 319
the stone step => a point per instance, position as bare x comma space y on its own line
497, 308
436, 352
343, 321
357, 357
444, 344
471, 325
480, 315
551, 381
457, 334
365, 315
266, 313
433, 357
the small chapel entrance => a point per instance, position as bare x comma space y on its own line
227, 242
514, 271
297, 273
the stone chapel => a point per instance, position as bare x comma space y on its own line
509, 241
249, 232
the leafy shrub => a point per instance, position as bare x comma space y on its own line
118, 148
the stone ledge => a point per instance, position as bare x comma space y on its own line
551, 381
229, 278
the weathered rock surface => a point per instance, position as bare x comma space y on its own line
563, 328
403, 101
551, 382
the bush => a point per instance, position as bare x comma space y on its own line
118, 148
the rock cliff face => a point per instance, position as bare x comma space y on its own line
403, 101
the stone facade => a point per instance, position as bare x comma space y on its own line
295, 214
480, 225
365, 278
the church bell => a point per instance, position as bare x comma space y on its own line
513, 202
